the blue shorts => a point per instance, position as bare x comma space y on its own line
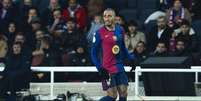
118, 79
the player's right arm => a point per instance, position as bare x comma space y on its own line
95, 49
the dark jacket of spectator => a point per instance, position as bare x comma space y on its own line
190, 40
153, 39
16, 74
71, 41
6, 16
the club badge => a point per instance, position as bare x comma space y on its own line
115, 49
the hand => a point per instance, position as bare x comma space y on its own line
29, 19
103, 74
40, 75
132, 65
56, 21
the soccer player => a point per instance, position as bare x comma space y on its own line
108, 44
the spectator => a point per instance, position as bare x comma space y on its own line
80, 58
7, 14
95, 25
16, 75
181, 49
161, 50
26, 50
119, 19
35, 25
177, 13
56, 30
72, 39
57, 24
25, 24
158, 33
140, 53
165, 4
76, 11
44, 52
45, 56
38, 51
189, 38
33, 12
24, 9
3, 48
94, 8
10, 34
133, 36
47, 14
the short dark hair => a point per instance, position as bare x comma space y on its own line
71, 20
132, 23
142, 43
17, 43
185, 22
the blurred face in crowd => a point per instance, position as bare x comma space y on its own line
32, 13
177, 4
132, 29
35, 26
11, 28
70, 25
161, 23
161, 48
109, 18
28, 2
97, 19
72, 4
16, 49
140, 47
180, 45
53, 4
57, 14
118, 20
19, 38
39, 35
6, 4
185, 29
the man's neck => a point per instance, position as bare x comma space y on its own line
110, 28
160, 29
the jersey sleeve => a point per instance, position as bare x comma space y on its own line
95, 49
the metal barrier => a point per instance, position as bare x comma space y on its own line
138, 70
65, 69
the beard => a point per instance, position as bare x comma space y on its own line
161, 26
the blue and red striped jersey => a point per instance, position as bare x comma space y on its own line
105, 42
